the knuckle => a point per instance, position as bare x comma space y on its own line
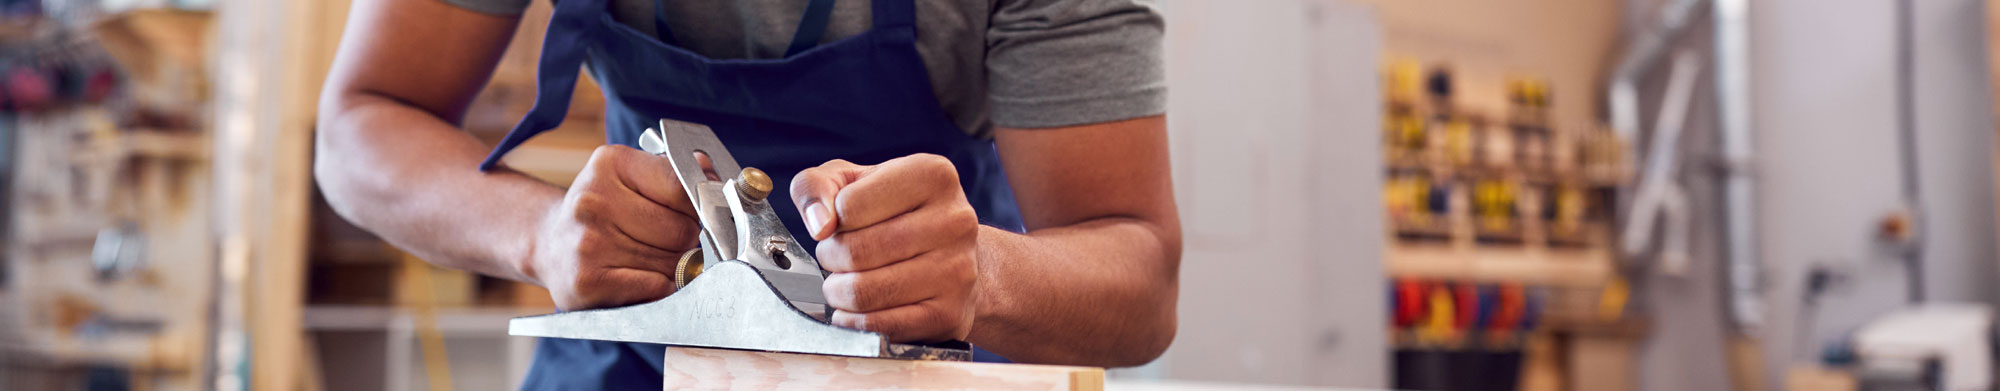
590, 244
930, 159
833, 255
840, 292
937, 169
603, 155
963, 217
588, 206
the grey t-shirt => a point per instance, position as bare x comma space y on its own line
1011, 63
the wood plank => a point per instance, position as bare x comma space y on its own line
714, 369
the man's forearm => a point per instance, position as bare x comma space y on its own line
1100, 292
409, 177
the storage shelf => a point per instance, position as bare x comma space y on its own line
1586, 267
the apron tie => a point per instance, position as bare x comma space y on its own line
811, 27
660, 23
555, 75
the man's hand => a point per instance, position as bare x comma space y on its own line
614, 237
899, 240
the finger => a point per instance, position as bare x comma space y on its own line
612, 287
924, 321
707, 166
603, 248
812, 188
899, 284
653, 225
651, 177
900, 238
895, 187
633, 217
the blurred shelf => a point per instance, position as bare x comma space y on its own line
124, 350
1587, 267
18, 30
1434, 231
1628, 326
183, 144
1600, 175
173, 144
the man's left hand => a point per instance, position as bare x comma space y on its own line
899, 239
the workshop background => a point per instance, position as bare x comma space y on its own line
1376, 194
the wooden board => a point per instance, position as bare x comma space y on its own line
712, 369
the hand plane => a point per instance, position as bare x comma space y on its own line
750, 286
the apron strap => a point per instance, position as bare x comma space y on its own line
894, 13
660, 29
571, 29
812, 26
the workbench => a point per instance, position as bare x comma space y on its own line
715, 369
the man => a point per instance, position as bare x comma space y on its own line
909, 132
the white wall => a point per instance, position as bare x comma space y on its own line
1824, 109
1282, 285
1824, 113
1955, 141
1274, 124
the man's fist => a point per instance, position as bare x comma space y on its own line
899, 239
614, 237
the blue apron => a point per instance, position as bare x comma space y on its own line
865, 98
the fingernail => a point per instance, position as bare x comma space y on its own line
816, 219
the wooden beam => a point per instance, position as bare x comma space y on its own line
270, 62
713, 369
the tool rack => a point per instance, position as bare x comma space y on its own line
1495, 225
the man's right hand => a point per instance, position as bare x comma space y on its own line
614, 238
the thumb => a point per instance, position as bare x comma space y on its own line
814, 191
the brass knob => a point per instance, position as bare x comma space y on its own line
687, 269
753, 183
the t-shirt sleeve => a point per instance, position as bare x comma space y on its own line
496, 7
1053, 63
